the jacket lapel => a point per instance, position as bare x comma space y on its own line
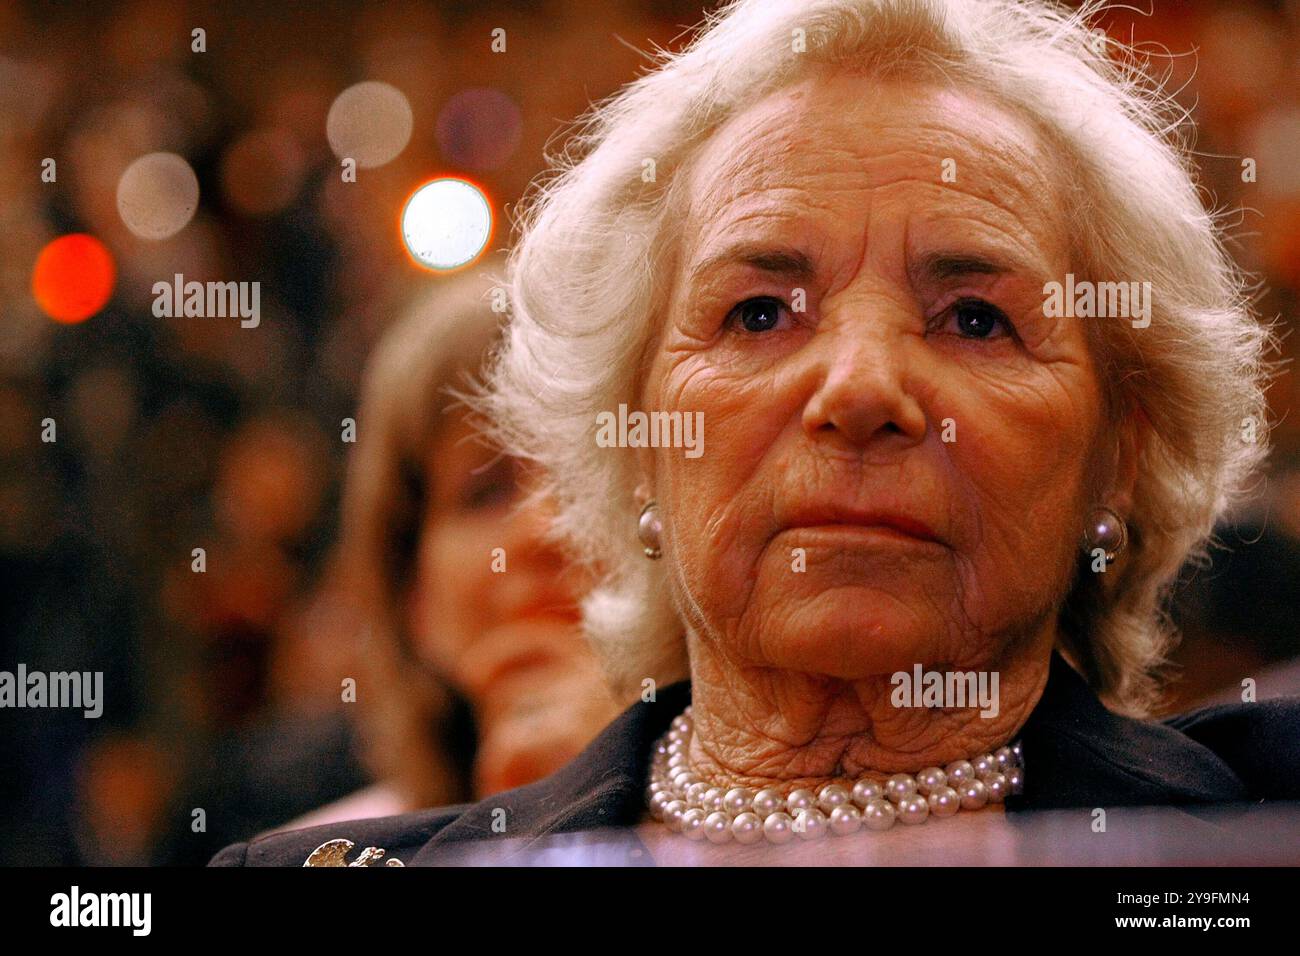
1079, 754
601, 788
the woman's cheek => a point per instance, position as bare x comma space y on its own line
453, 592
710, 501
704, 513
1018, 452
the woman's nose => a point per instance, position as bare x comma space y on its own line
861, 394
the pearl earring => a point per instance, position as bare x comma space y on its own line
1105, 530
648, 530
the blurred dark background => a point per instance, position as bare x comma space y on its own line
222, 688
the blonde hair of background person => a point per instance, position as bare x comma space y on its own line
598, 245
407, 406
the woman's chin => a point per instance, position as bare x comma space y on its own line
844, 642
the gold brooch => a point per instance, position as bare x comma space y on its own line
335, 853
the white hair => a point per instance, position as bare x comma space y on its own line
589, 273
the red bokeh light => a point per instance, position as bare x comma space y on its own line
73, 278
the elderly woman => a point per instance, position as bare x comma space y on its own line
888, 367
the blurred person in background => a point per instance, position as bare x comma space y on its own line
476, 677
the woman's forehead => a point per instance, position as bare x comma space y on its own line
830, 140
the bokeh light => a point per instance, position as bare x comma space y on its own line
157, 195
73, 278
369, 122
446, 223
479, 129
262, 171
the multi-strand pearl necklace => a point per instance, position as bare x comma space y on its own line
683, 801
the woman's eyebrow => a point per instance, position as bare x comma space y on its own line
778, 260
942, 266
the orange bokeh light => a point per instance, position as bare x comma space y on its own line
73, 277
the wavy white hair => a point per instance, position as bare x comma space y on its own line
595, 251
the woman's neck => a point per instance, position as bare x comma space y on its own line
759, 727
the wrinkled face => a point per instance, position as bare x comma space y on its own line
895, 465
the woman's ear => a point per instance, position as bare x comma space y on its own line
643, 494
645, 488
1127, 448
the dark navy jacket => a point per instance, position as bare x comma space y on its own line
1077, 755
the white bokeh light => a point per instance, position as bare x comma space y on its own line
446, 223
369, 122
157, 195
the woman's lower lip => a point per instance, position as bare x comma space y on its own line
863, 532
544, 614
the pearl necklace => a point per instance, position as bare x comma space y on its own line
679, 798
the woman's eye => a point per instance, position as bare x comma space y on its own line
493, 486
977, 319
760, 314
